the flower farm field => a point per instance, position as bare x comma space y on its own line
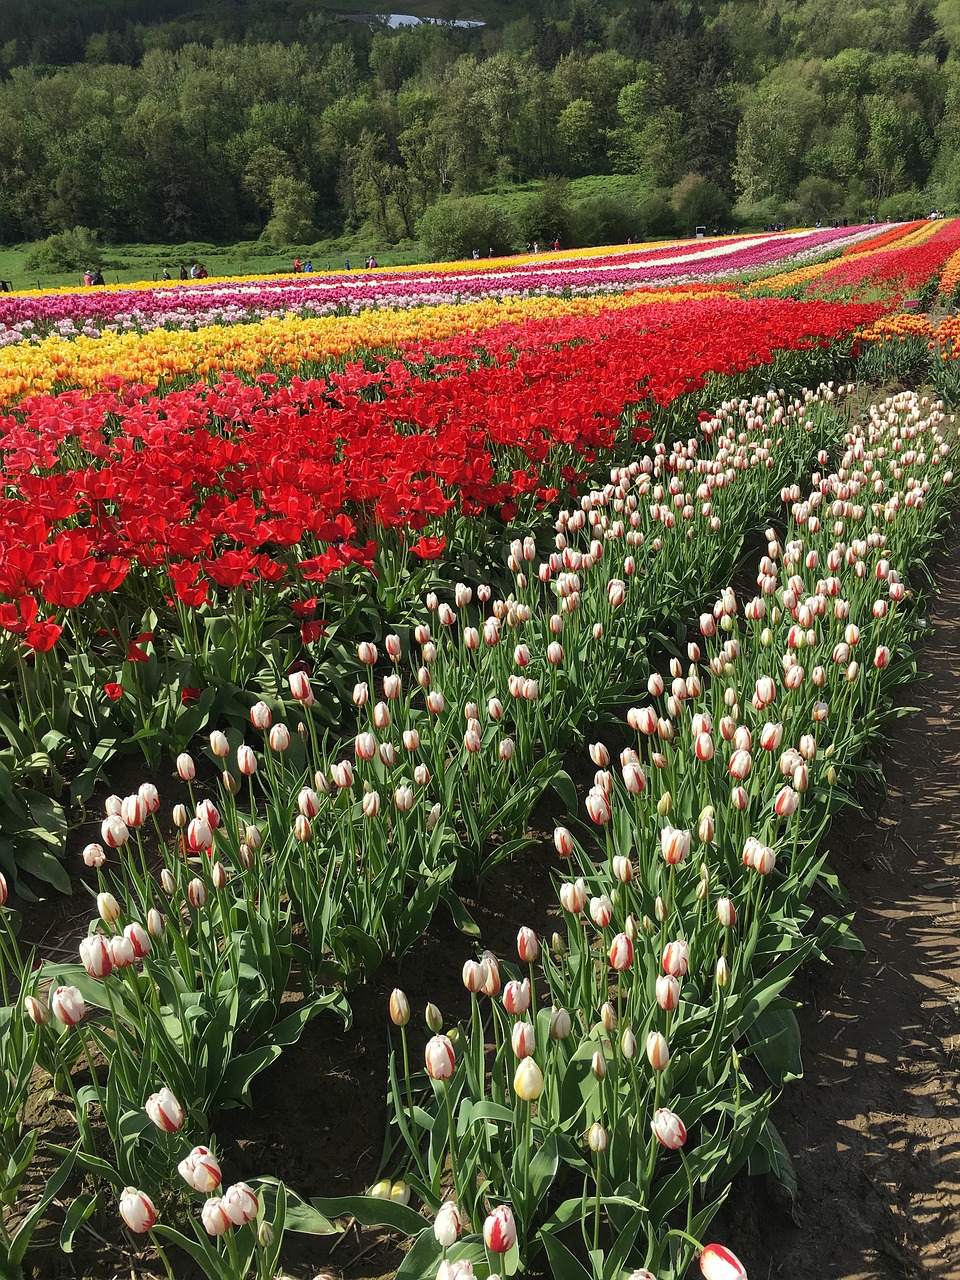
445, 712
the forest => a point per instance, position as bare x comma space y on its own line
282, 121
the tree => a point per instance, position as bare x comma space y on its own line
453, 228
293, 207
699, 202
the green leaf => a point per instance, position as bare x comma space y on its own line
80, 1210
462, 918
837, 932
371, 1212
775, 1040
563, 1265
21, 1239
563, 785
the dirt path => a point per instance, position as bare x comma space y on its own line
874, 1128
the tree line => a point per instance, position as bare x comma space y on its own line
271, 119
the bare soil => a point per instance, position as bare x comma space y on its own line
874, 1127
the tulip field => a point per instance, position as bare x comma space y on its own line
368, 587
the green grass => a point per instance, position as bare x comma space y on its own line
127, 263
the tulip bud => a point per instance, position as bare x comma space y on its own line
597, 1138
560, 1024
723, 972
433, 1018
447, 1225
658, 1052
528, 1080
36, 1011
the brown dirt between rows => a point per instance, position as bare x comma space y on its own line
874, 1128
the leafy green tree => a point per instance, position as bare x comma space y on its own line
453, 228
293, 205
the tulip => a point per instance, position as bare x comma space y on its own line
108, 908
601, 911
439, 1057
93, 856
528, 945
723, 972
96, 956
165, 1111
36, 1011
785, 802
573, 897
261, 716
597, 1138
668, 992
279, 738
218, 875
658, 1051
474, 975
560, 1024
563, 842
628, 1044
241, 1203
219, 744
621, 953
500, 1230
399, 1008
197, 893
154, 923
718, 1263
167, 883
726, 913
516, 997
201, 1170
598, 1065
668, 1129
121, 952
186, 767
137, 1210
447, 1225
598, 806
523, 1039
199, 835
623, 869
528, 1080
246, 760
674, 844
179, 816
300, 689
215, 1218
676, 958
403, 799
114, 831
67, 1006
491, 986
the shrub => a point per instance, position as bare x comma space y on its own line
604, 220
74, 250
453, 228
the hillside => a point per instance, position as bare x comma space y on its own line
290, 120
